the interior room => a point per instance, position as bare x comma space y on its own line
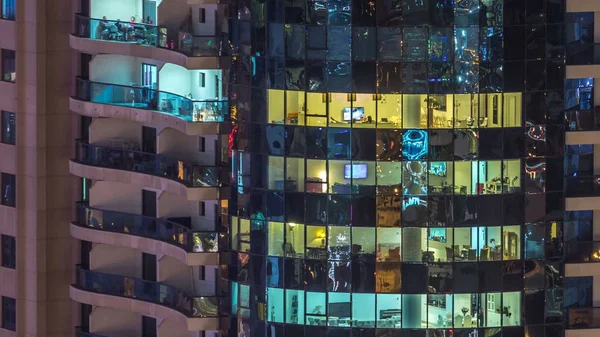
124, 9
408, 111
193, 84
125, 70
175, 144
414, 177
405, 311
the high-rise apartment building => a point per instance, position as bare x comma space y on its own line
400, 168
290, 168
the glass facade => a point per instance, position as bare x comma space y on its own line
397, 168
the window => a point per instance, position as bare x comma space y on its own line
9, 259
202, 80
202, 144
9, 132
201, 15
8, 182
8, 9
8, 66
9, 313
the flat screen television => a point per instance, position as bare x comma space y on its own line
340, 310
438, 169
353, 113
355, 171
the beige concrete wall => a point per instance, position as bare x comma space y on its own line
116, 260
112, 196
103, 130
176, 274
582, 6
175, 144
45, 189
119, 69
169, 328
115, 323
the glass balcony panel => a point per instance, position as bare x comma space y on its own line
583, 252
583, 318
149, 227
143, 97
191, 175
577, 187
151, 35
583, 54
154, 292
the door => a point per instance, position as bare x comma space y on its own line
149, 10
148, 139
149, 76
85, 249
148, 326
84, 60
149, 267
85, 8
149, 203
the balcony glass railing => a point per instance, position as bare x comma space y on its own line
148, 227
578, 187
583, 120
140, 97
191, 175
150, 35
583, 318
583, 53
583, 252
148, 291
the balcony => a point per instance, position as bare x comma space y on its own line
151, 107
583, 126
99, 36
582, 193
583, 60
145, 297
583, 319
193, 248
582, 259
196, 182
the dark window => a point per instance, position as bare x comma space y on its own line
9, 257
9, 131
202, 144
8, 183
202, 80
8, 9
9, 313
202, 15
202, 208
8, 66
148, 326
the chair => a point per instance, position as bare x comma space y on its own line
468, 321
449, 254
456, 249
458, 321
484, 254
114, 33
483, 121
394, 255
472, 255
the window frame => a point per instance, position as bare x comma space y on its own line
9, 313
13, 196
2, 60
6, 117
10, 243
